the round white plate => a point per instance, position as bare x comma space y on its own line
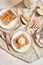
25, 48
10, 25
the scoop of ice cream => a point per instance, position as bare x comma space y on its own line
41, 41
21, 40
38, 36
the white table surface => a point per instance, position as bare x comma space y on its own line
7, 59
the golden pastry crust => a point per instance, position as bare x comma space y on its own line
8, 17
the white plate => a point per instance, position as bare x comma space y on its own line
10, 25
39, 36
25, 48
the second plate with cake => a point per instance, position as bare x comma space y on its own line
21, 41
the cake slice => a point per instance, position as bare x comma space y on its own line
8, 17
